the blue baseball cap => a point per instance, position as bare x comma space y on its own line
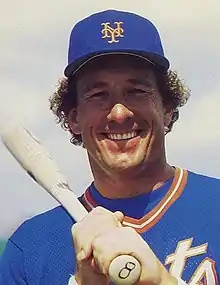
114, 32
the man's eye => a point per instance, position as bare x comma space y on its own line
136, 91
98, 95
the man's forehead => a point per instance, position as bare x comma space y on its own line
102, 78
115, 62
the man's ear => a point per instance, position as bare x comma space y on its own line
73, 122
168, 114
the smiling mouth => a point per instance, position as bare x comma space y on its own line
123, 136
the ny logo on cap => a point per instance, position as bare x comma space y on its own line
112, 33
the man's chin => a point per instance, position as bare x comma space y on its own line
124, 163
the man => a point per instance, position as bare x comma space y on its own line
118, 101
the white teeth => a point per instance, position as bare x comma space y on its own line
124, 136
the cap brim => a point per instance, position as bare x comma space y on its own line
152, 58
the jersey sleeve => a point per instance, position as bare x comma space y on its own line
12, 270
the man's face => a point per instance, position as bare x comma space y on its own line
120, 114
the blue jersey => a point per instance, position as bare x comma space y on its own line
180, 221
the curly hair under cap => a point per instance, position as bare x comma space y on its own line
172, 88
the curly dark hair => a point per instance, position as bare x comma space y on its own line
174, 91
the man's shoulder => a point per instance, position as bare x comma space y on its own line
48, 226
202, 180
42, 249
203, 189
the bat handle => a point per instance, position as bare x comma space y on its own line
124, 270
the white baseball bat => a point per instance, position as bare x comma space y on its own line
37, 162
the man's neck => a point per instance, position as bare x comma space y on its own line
117, 186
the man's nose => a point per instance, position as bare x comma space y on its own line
119, 114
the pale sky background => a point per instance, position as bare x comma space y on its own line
33, 42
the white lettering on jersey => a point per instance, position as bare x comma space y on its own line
179, 257
205, 273
206, 269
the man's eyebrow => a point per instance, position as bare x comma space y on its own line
101, 84
144, 81
93, 85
